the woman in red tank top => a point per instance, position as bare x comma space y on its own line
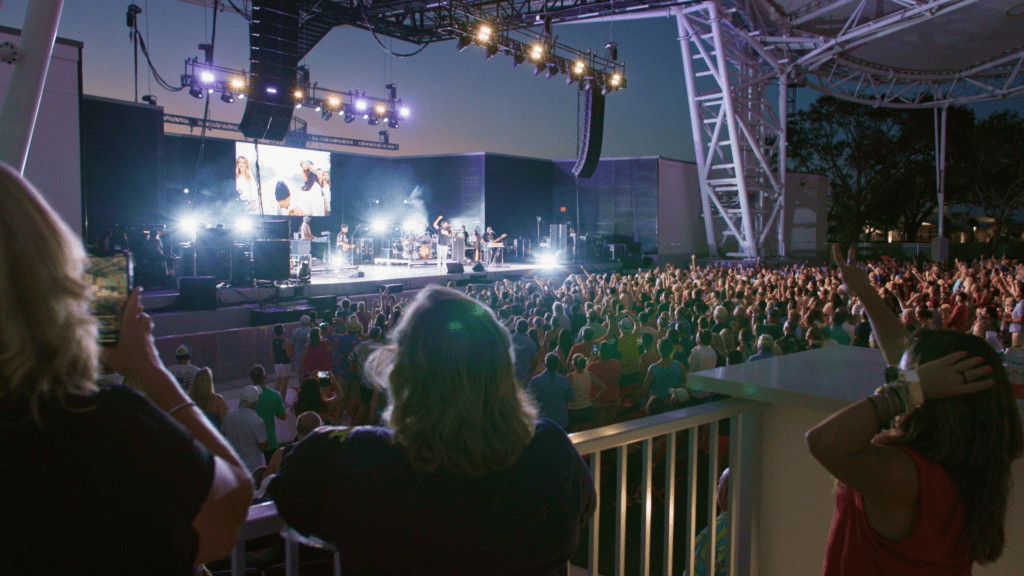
929, 497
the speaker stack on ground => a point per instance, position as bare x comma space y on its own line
273, 69
593, 132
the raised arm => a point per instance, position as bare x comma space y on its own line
892, 335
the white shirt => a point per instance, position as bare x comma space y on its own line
702, 358
245, 431
184, 373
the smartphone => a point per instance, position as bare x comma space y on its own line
595, 349
322, 374
110, 273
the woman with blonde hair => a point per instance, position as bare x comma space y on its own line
107, 481
930, 495
245, 184
480, 485
206, 398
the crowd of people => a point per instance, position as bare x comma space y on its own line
472, 394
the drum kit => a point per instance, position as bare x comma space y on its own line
413, 247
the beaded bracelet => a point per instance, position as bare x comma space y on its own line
878, 414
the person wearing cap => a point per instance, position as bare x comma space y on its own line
183, 370
300, 339
772, 325
245, 431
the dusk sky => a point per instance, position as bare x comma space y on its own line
460, 103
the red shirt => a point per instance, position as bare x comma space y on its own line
854, 549
607, 371
957, 318
318, 359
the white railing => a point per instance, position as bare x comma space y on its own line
743, 462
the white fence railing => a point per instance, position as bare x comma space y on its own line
682, 431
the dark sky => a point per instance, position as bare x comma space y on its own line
460, 103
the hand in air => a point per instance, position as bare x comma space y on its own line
855, 279
135, 351
954, 375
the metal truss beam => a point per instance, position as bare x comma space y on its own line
300, 137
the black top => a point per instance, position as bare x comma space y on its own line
108, 485
280, 354
443, 239
524, 520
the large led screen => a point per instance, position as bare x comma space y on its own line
291, 181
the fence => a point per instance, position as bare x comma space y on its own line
681, 432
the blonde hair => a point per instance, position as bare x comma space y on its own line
202, 390
454, 403
48, 337
243, 173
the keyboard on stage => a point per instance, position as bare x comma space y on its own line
496, 245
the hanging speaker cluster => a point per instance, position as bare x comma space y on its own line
593, 131
273, 69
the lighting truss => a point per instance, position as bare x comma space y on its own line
297, 137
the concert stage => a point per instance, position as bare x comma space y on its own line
234, 307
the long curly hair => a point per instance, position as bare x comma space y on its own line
454, 404
974, 437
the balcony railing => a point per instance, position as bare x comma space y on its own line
683, 432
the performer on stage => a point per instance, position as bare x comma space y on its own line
490, 250
344, 247
444, 238
305, 232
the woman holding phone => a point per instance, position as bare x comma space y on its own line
107, 481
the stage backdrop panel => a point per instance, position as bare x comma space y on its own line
54, 155
680, 224
517, 191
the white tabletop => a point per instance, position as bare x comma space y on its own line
828, 379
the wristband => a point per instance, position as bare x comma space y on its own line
179, 407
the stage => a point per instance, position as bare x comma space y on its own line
237, 307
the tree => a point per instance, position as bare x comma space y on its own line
992, 167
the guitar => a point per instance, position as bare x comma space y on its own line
345, 245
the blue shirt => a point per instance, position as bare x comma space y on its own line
524, 352
552, 391
760, 356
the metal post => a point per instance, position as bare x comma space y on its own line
784, 134
940, 165
18, 119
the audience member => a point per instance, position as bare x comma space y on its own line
581, 408
666, 373
304, 425
765, 346
552, 392
311, 398
607, 370
207, 399
281, 350
490, 491
299, 341
245, 430
183, 369
369, 393
524, 352
269, 405
702, 545
317, 355
98, 481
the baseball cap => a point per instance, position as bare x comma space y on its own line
182, 352
250, 394
304, 320
625, 324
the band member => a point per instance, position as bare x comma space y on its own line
477, 244
305, 232
444, 238
344, 247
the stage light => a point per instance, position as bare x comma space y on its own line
207, 77
404, 112
540, 67
492, 49
271, 90
241, 96
195, 91
552, 70
379, 225
548, 260
189, 225
537, 52
579, 67
392, 123
360, 105
616, 80
227, 98
185, 190
298, 105
463, 42
298, 94
334, 101
372, 120
325, 114
243, 225
237, 83
317, 109
349, 116
483, 33
209, 91
380, 109
517, 59
410, 225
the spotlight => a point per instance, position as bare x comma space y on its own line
379, 225
410, 225
298, 94
207, 77
243, 225
492, 49
552, 70
189, 225
241, 96
616, 80
380, 109
271, 90
373, 120
298, 105
392, 123
463, 43
325, 114
404, 112
227, 98
334, 101
317, 109
195, 91
537, 52
548, 260
349, 116
150, 98
483, 33
185, 190
237, 83
360, 105
517, 59
540, 67
579, 67
209, 91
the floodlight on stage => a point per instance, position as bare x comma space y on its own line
334, 101
189, 225
209, 91
241, 96
243, 225
379, 225
360, 105
548, 260
537, 52
517, 59
195, 91
483, 33
404, 112
298, 105
380, 109
616, 80
185, 190
271, 90
325, 114
552, 70
237, 83
349, 116
463, 42
579, 67
298, 94
227, 98
207, 77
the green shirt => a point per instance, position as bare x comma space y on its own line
269, 405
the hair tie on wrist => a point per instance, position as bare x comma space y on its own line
179, 407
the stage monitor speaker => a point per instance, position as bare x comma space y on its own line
390, 288
197, 293
455, 267
478, 267
270, 259
273, 69
323, 303
593, 132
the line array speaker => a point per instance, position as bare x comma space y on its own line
593, 132
273, 69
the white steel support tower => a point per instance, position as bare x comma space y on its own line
738, 137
